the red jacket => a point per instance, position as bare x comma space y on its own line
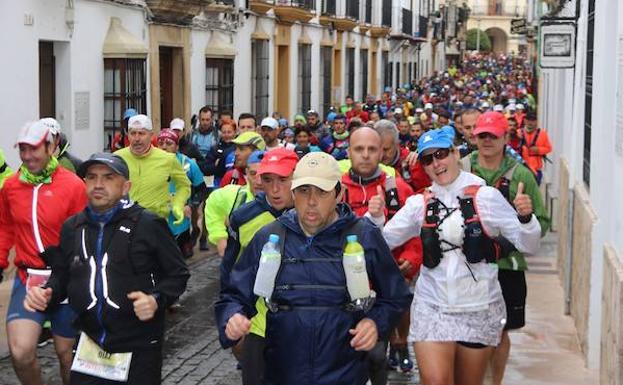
417, 177
55, 202
361, 114
229, 175
357, 196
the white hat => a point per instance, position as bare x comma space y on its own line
52, 125
498, 108
511, 107
317, 169
428, 106
520, 106
419, 110
140, 122
34, 133
177, 124
272, 123
485, 105
398, 111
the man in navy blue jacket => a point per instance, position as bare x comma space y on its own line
312, 334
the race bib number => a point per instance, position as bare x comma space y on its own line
94, 361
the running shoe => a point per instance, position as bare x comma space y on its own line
392, 359
406, 364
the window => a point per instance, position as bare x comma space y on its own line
328, 7
389, 71
386, 18
125, 86
410, 78
352, 9
326, 54
350, 68
220, 84
259, 77
588, 97
363, 72
304, 77
368, 10
398, 80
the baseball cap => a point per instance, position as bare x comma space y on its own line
283, 122
339, 117
255, 157
299, 118
498, 108
331, 116
428, 106
398, 111
130, 112
511, 107
52, 125
279, 161
492, 122
288, 132
34, 133
250, 138
114, 162
440, 138
520, 106
317, 169
530, 115
419, 110
177, 124
272, 123
139, 122
167, 133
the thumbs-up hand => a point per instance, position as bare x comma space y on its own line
376, 204
522, 202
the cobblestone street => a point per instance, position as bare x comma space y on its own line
192, 354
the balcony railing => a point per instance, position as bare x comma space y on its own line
352, 9
305, 4
407, 21
386, 19
499, 10
423, 27
328, 7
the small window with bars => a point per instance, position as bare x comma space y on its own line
304, 77
350, 67
363, 73
220, 84
260, 77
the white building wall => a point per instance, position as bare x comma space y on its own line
79, 65
199, 41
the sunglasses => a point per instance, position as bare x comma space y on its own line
440, 154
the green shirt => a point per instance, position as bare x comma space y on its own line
220, 205
150, 175
7, 172
515, 260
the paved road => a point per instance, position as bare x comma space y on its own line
192, 354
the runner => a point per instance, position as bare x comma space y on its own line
34, 203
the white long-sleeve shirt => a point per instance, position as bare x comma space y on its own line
451, 285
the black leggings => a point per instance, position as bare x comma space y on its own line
253, 360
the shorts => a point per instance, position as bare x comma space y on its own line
61, 318
514, 290
145, 369
430, 323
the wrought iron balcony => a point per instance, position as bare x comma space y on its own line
498, 9
422, 27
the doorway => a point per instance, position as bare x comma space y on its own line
47, 80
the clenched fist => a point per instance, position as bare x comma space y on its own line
237, 327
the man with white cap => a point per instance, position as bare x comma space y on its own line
34, 203
186, 147
270, 133
311, 301
61, 151
151, 170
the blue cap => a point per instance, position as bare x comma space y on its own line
439, 138
255, 157
331, 115
288, 132
130, 112
283, 122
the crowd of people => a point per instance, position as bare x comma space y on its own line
430, 192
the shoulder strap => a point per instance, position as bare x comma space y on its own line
238, 201
275, 227
536, 137
391, 193
509, 173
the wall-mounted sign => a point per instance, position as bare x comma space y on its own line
518, 26
557, 42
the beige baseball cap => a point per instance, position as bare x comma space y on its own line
317, 169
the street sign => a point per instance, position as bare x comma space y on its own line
518, 26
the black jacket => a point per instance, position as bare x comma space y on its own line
138, 253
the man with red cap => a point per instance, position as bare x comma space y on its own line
492, 163
34, 203
275, 171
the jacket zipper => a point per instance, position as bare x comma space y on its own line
99, 286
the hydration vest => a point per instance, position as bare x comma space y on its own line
477, 245
354, 228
